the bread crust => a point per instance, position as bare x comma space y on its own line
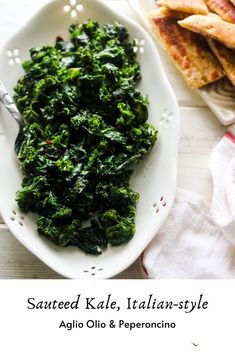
226, 57
211, 26
224, 8
188, 6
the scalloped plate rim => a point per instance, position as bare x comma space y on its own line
132, 258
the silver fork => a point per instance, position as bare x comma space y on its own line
9, 104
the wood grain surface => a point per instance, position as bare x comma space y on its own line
200, 132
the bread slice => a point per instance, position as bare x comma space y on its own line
188, 6
224, 8
211, 26
226, 57
166, 11
189, 51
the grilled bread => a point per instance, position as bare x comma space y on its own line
226, 57
188, 6
165, 11
211, 26
224, 8
189, 51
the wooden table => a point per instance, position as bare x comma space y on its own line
200, 132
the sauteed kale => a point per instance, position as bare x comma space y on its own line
85, 130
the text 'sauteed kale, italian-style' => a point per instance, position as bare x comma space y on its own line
85, 129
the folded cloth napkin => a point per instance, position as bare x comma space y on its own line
198, 240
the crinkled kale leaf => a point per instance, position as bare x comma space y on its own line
85, 130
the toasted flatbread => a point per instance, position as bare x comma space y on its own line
188, 6
211, 26
233, 2
226, 57
189, 51
224, 8
165, 11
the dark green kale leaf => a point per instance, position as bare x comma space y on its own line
85, 130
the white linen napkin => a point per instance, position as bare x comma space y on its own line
198, 240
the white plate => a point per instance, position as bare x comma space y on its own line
220, 95
154, 178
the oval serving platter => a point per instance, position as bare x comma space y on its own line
219, 95
154, 178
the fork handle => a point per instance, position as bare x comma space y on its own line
8, 103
